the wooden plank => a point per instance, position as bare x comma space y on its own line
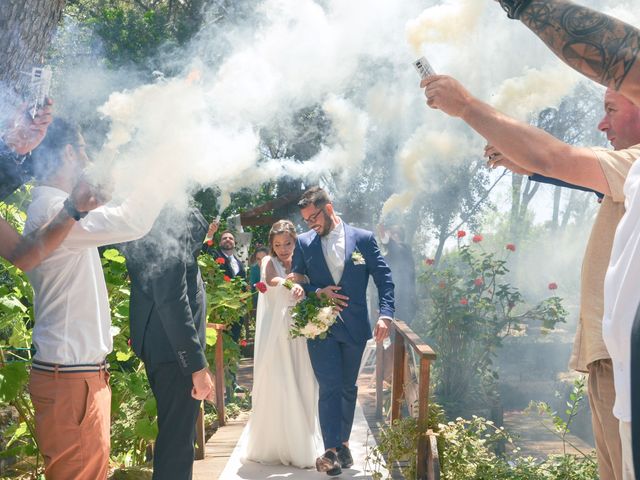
379, 378
433, 465
423, 417
219, 380
414, 340
399, 359
200, 434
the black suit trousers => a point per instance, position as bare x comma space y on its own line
177, 414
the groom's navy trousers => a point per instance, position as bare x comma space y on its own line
336, 362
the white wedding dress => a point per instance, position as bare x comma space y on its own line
283, 428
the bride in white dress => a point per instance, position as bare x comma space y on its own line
284, 427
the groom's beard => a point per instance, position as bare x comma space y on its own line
328, 224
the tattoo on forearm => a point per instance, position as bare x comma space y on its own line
600, 47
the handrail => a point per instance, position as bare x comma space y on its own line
427, 467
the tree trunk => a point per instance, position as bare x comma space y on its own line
26, 28
557, 195
516, 191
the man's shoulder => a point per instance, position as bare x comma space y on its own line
359, 233
45, 203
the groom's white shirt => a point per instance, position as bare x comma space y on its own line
333, 248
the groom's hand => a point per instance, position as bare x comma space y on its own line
202, 384
330, 291
381, 331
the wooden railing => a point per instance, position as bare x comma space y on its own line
220, 390
428, 466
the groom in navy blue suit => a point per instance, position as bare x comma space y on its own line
338, 259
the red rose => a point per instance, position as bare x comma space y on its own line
220, 261
442, 285
227, 278
477, 238
261, 287
210, 242
464, 301
429, 261
478, 282
243, 343
461, 233
129, 342
511, 246
553, 286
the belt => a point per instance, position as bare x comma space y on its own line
82, 367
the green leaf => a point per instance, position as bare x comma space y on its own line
146, 429
212, 337
123, 356
13, 378
113, 255
150, 407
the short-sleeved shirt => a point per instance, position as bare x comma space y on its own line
588, 345
622, 290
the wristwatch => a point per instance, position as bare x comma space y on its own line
71, 209
514, 8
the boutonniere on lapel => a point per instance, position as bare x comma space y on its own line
357, 258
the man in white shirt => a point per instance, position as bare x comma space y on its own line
69, 382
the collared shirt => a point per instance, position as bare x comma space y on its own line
235, 268
71, 305
333, 248
588, 345
621, 292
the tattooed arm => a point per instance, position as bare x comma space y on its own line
600, 47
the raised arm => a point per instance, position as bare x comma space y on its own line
600, 47
28, 251
533, 149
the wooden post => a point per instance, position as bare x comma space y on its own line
379, 378
398, 376
220, 374
423, 417
200, 434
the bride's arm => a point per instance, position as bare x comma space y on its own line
272, 278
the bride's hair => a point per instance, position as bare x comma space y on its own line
281, 226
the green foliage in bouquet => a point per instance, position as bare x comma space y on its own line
312, 316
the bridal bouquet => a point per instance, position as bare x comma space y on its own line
312, 317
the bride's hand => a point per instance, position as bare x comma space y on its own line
297, 291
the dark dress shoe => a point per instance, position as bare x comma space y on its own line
329, 463
344, 457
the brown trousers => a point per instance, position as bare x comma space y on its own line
72, 412
605, 426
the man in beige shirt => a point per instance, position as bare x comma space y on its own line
525, 149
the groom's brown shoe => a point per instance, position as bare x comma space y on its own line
344, 457
329, 463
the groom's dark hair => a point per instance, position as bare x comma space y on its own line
315, 196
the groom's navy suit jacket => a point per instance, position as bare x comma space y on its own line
308, 259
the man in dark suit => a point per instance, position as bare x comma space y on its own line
233, 267
168, 320
338, 260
